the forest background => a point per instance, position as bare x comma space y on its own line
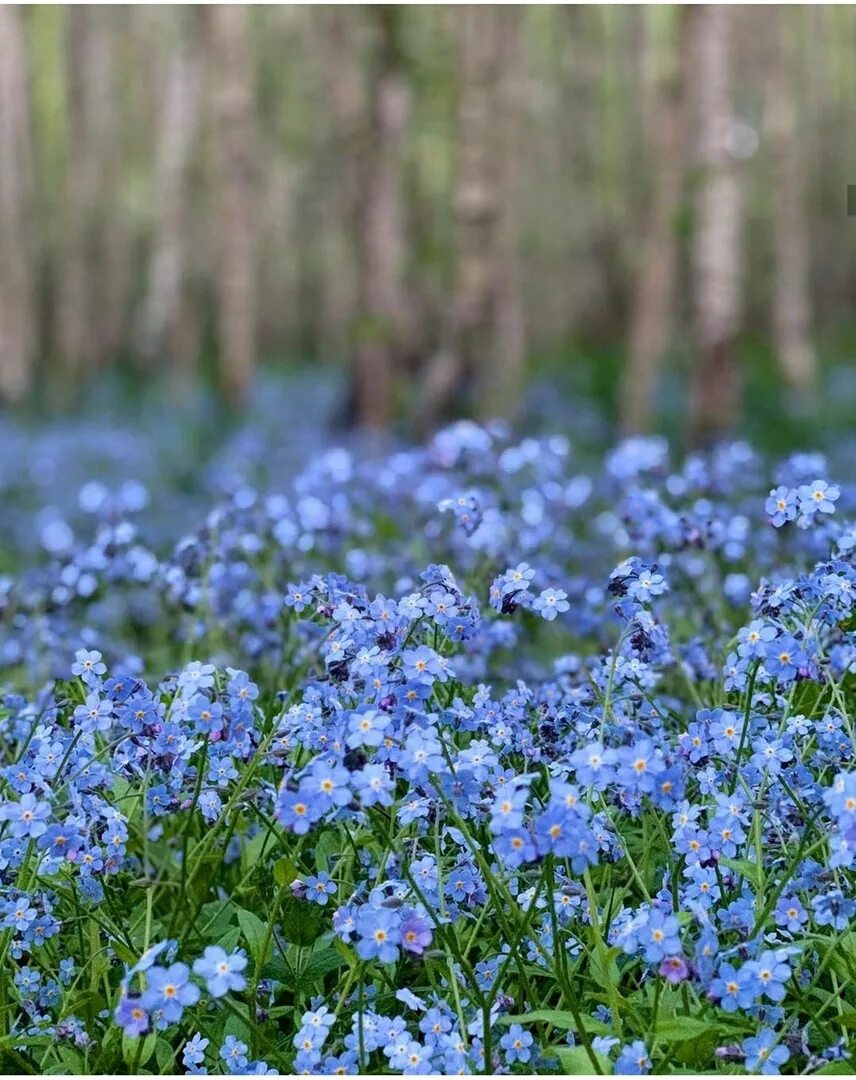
439, 207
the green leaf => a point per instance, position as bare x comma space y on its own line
847, 1020
284, 872
254, 931
347, 952
105, 1060
230, 938
301, 923
604, 969
679, 1028
254, 849
85, 1003
560, 1019
575, 1060
165, 1056
750, 870
328, 845
71, 1060
847, 943
238, 1027
281, 970
126, 955
842, 954
27, 1040
99, 963
216, 917
131, 1047
321, 963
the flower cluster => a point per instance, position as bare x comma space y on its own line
453, 760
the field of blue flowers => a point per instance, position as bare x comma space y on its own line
466, 758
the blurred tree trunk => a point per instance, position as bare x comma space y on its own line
338, 44
717, 239
160, 316
501, 369
16, 325
652, 313
476, 198
75, 330
578, 135
382, 301
791, 299
236, 194
454, 373
109, 265
94, 251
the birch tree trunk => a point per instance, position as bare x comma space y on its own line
235, 197
159, 317
16, 325
339, 54
501, 367
717, 240
382, 305
453, 374
76, 337
652, 312
476, 197
791, 299
109, 255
